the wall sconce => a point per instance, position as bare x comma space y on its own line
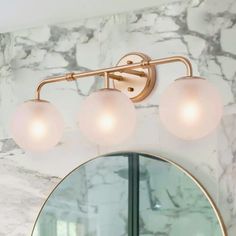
190, 108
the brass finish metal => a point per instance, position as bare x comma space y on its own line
48, 81
70, 76
142, 82
184, 60
107, 81
117, 77
146, 63
182, 169
135, 72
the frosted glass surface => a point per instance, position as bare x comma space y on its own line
191, 108
107, 117
37, 126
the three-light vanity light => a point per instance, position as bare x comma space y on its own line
190, 108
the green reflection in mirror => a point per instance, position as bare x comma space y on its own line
129, 194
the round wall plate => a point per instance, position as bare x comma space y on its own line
136, 87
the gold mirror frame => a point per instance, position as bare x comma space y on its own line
179, 167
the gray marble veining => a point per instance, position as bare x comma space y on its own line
203, 30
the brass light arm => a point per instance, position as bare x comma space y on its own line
106, 80
117, 77
48, 81
128, 68
184, 60
134, 72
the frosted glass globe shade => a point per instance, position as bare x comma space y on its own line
36, 126
190, 108
107, 117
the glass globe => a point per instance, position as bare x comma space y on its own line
190, 108
107, 117
36, 126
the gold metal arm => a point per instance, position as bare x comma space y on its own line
187, 63
106, 80
108, 72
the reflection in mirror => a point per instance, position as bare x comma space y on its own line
129, 194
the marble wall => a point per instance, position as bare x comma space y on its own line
202, 30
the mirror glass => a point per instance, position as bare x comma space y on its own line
128, 194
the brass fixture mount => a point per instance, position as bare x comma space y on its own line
134, 75
137, 86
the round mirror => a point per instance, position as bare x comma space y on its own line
129, 194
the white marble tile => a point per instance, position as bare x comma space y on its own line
202, 30
227, 40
